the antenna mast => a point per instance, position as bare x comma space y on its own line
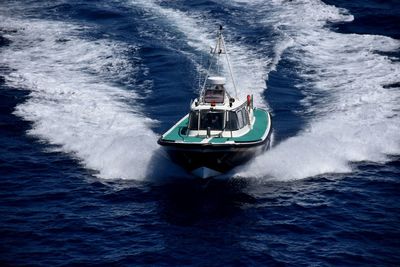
223, 48
219, 49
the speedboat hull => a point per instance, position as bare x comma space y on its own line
208, 160
220, 132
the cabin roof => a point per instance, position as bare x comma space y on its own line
217, 106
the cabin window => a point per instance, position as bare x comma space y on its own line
212, 119
240, 116
194, 120
214, 95
245, 116
231, 121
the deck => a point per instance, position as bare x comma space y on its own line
261, 124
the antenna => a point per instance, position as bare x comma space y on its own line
219, 49
221, 39
200, 72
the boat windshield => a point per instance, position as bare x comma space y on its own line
232, 123
194, 120
212, 119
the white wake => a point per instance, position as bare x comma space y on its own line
355, 118
74, 102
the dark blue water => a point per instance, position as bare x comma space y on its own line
86, 87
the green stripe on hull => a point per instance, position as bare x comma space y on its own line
255, 134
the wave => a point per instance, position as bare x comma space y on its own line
355, 116
73, 102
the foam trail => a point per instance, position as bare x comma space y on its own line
70, 103
250, 69
354, 117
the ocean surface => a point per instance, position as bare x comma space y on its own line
87, 87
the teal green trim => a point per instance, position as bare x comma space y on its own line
179, 133
255, 134
261, 123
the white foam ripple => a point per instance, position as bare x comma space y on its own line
354, 117
73, 102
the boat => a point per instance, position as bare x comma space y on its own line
220, 131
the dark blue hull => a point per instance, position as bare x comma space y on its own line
218, 158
